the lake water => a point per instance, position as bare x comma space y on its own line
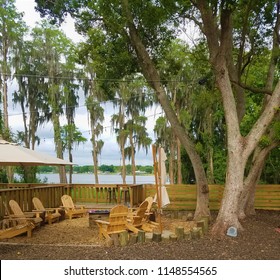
103, 179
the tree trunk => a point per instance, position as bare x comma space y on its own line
58, 146
172, 160
71, 166
95, 165
133, 165
150, 72
123, 172
179, 162
247, 201
229, 210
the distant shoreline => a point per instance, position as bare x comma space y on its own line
137, 174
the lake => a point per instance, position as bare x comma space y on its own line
85, 178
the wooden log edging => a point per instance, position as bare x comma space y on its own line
126, 239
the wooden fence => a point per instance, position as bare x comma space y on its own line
182, 197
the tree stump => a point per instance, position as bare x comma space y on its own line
195, 233
123, 237
207, 222
187, 235
157, 237
132, 239
202, 224
172, 237
115, 239
179, 231
200, 232
141, 236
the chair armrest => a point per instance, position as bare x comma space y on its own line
132, 218
52, 210
31, 214
80, 206
102, 222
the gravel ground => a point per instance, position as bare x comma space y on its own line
74, 240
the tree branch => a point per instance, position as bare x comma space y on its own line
253, 89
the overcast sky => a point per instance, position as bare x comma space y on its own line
82, 154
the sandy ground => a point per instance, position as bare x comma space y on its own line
74, 239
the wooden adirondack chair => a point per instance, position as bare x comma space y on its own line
12, 226
13, 231
72, 210
150, 201
139, 219
51, 214
21, 217
117, 222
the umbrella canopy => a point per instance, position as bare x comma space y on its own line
162, 173
12, 154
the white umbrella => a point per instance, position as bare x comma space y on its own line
12, 154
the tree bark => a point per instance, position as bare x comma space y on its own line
239, 148
179, 162
248, 195
152, 76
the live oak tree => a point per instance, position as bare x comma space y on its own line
216, 22
144, 27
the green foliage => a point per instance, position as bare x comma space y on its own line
265, 141
70, 135
89, 169
199, 148
276, 129
188, 79
3, 175
107, 168
271, 174
253, 110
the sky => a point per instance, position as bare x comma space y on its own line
82, 154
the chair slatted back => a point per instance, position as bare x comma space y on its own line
117, 219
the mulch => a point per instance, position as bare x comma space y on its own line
74, 240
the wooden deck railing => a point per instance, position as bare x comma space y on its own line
50, 194
182, 197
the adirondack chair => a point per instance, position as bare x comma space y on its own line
12, 226
72, 210
19, 229
51, 214
139, 219
116, 223
150, 201
21, 217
